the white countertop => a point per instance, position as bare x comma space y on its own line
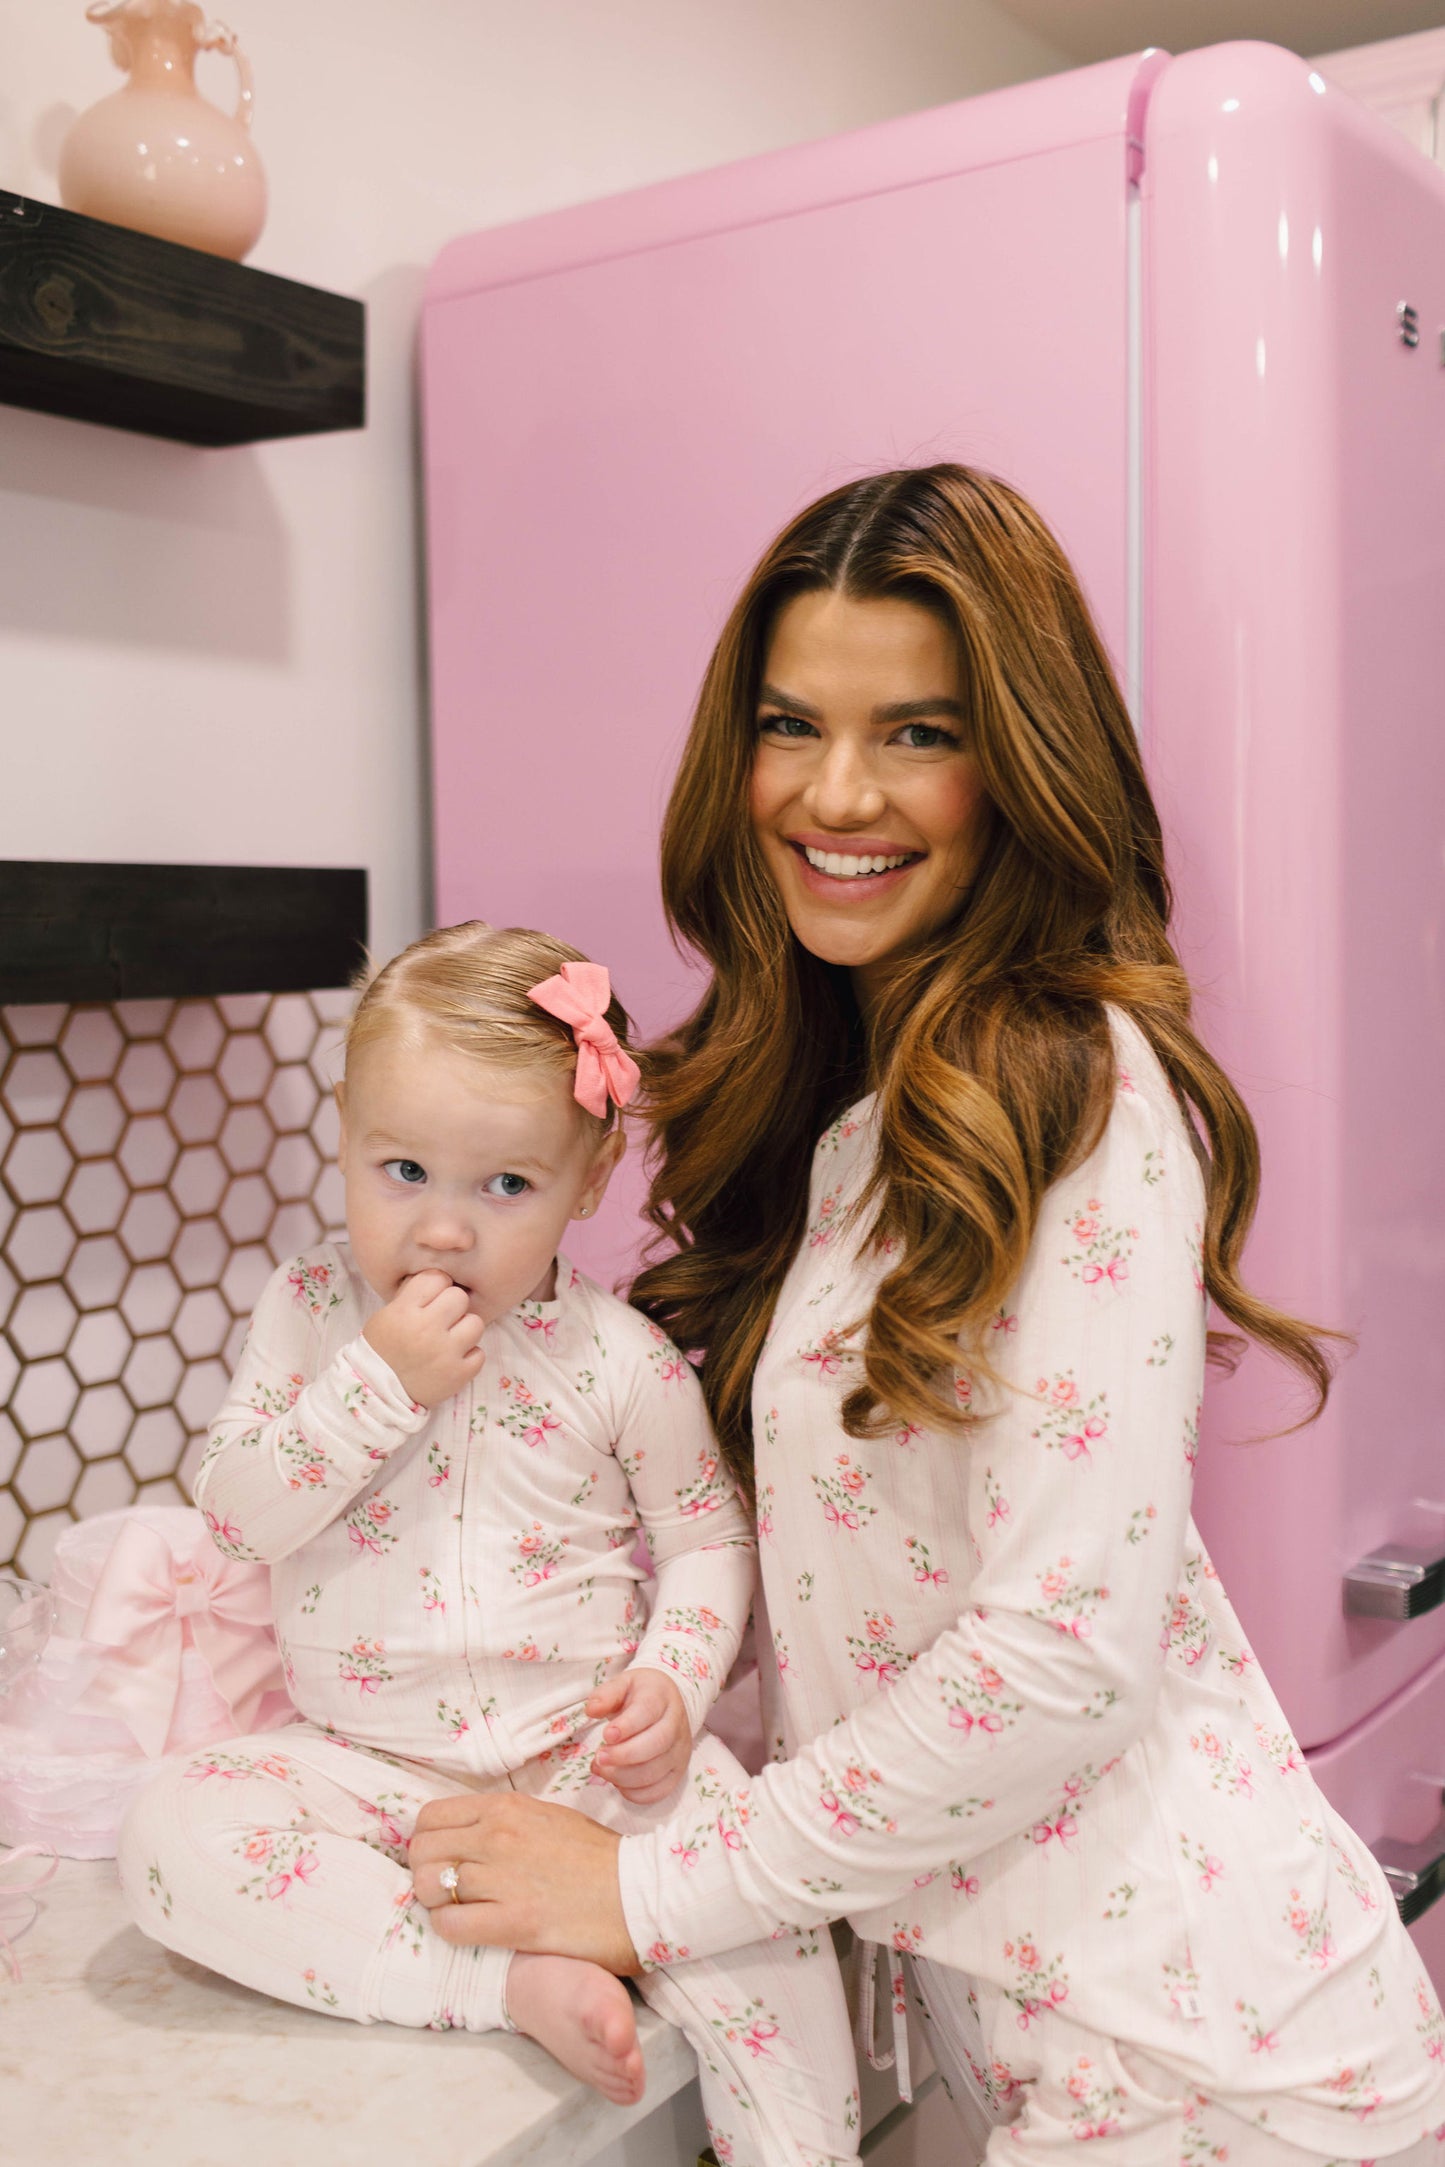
114, 2053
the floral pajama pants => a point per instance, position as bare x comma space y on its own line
281, 1863
1135, 2112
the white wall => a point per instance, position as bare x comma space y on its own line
217, 656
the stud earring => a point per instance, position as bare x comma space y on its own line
586, 1212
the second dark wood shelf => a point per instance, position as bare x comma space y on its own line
102, 324
71, 932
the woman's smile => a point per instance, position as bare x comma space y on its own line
852, 870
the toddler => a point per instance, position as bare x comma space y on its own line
444, 1440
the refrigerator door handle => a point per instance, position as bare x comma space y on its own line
1402, 1580
1415, 1871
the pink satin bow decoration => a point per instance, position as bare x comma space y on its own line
147, 1602
579, 995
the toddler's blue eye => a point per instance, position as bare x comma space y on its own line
508, 1185
405, 1170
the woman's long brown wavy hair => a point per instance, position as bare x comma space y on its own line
989, 1050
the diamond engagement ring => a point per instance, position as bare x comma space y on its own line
450, 1876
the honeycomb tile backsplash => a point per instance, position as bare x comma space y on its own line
157, 1160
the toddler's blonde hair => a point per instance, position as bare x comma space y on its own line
468, 986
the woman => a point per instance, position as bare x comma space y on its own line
1026, 1746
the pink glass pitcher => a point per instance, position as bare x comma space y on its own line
155, 154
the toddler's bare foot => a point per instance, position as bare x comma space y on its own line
583, 2017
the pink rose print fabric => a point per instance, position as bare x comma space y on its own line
450, 1587
1020, 1736
489, 1544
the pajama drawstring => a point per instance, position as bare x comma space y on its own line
868, 1954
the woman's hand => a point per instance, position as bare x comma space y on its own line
531, 1876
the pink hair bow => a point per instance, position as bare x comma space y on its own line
149, 1605
579, 995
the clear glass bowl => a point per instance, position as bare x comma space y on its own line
26, 1618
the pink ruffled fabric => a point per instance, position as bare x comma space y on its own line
188, 1657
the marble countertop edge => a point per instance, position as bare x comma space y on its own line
112, 2049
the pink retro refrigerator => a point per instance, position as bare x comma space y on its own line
1193, 307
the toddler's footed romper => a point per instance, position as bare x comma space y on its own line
280, 1862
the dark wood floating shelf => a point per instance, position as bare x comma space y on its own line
102, 324
147, 932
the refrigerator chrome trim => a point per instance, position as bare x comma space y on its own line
1399, 1581
1415, 1871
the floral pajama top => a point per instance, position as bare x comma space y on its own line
1024, 1734
451, 1585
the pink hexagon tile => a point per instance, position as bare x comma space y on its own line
191, 1460
101, 1421
200, 1252
157, 1159
46, 1475
12, 1524
145, 1077
195, 1036
151, 1298
12, 1444
246, 1139
201, 1325
44, 1397
96, 1197
247, 1208
197, 1109
40, 1243
35, 1088
93, 1121
150, 1226
198, 1180
97, 1271
37, 1166
143, 1019
147, 1151
291, 1098
165, 1492
41, 1321
292, 1168
98, 1350
198, 1401
243, 1011
154, 1370
35, 1026
326, 1128
106, 1486
36, 1546
295, 1227
245, 1067
290, 1026
91, 1044
155, 1445
245, 1275
329, 1198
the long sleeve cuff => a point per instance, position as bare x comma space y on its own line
695, 1641
363, 1407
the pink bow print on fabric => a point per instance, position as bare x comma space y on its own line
578, 996
148, 1606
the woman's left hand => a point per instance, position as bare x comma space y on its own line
531, 1876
